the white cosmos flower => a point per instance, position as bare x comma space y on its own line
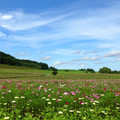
13, 101
60, 112
94, 103
54, 99
43, 97
6, 118
9, 90
22, 96
70, 110
47, 99
4, 103
91, 110
102, 94
49, 103
16, 97
78, 112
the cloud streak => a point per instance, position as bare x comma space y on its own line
46, 58
19, 20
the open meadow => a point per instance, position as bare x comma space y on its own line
31, 94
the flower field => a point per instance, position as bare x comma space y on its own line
60, 99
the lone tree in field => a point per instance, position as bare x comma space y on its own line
105, 70
54, 72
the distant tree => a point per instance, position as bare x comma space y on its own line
90, 70
10, 60
115, 72
82, 69
53, 68
54, 72
87, 70
104, 70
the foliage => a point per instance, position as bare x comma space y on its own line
105, 70
88, 70
53, 68
115, 72
54, 72
10, 60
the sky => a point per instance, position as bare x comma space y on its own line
66, 34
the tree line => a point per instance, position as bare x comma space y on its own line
101, 70
10, 60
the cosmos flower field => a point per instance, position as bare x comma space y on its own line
60, 99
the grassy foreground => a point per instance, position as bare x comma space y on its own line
29, 94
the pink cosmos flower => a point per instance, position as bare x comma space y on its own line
4, 87
104, 88
73, 93
49, 95
66, 93
39, 88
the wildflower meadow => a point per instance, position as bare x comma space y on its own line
60, 99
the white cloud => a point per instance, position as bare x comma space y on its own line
77, 52
112, 54
46, 58
23, 21
6, 17
64, 51
101, 24
67, 51
21, 54
57, 63
83, 65
99, 62
60, 63
87, 59
2, 34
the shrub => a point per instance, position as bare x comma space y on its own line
105, 70
54, 72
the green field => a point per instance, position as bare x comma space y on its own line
32, 94
23, 73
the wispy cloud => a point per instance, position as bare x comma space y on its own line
19, 20
67, 51
86, 59
112, 54
22, 54
61, 63
77, 52
2, 34
46, 58
6, 17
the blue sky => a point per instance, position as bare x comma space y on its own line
66, 34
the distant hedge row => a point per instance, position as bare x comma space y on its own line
101, 70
